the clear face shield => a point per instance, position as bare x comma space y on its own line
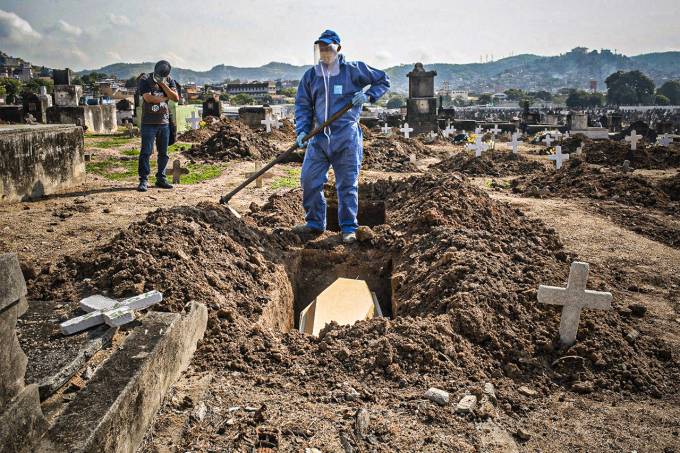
326, 59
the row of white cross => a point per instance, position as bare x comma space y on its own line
194, 122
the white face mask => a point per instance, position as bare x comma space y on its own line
326, 54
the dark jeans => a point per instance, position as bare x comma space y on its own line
160, 133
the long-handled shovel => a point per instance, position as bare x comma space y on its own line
225, 199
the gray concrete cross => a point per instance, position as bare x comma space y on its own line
574, 298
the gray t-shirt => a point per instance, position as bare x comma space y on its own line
154, 113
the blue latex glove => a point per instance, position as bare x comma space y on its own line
299, 138
359, 99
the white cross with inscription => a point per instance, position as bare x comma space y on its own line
515, 142
547, 140
574, 298
101, 309
558, 157
385, 129
478, 147
268, 123
194, 120
665, 140
406, 130
633, 139
495, 130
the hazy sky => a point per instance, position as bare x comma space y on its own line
200, 34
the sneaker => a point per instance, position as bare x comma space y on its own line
349, 238
163, 184
305, 229
143, 186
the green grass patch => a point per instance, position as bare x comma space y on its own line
290, 181
201, 172
110, 142
177, 147
130, 152
113, 169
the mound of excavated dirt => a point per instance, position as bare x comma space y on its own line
611, 153
393, 153
492, 163
285, 132
212, 125
578, 179
671, 186
233, 140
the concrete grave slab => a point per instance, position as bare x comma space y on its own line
114, 410
346, 301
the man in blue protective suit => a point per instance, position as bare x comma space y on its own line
324, 90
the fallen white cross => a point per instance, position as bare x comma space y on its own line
558, 157
406, 130
574, 298
103, 310
633, 139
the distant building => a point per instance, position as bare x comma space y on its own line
255, 89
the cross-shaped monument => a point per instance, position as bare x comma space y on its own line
633, 139
406, 130
558, 157
574, 298
101, 309
547, 140
478, 147
665, 140
515, 142
385, 129
478, 130
194, 120
495, 130
268, 123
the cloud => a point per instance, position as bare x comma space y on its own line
114, 56
121, 21
15, 29
382, 57
69, 29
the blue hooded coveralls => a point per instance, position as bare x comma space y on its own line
340, 145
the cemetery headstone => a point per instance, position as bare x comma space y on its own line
633, 139
514, 143
558, 157
573, 299
406, 130
547, 140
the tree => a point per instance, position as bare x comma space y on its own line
224, 97
542, 95
671, 90
395, 102
660, 99
629, 88
12, 88
484, 99
131, 82
514, 94
34, 85
242, 99
289, 92
579, 99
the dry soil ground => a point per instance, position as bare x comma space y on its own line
295, 404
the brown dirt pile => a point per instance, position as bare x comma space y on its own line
611, 154
461, 270
393, 153
233, 140
492, 163
212, 125
578, 179
285, 132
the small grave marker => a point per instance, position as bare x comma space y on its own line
547, 140
178, 171
478, 130
194, 120
574, 298
386, 129
515, 142
259, 182
665, 140
558, 157
268, 123
478, 146
495, 130
406, 130
633, 138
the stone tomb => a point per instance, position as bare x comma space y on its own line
346, 301
21, 419
39, 160
421, 105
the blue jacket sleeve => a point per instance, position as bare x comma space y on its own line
304, 107
379, 81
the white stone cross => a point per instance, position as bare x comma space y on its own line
495, 130
449, 131
268, 123
558, 135
547, 140
633, 139
478, 147
432, 135
194, 120
406, 130
579, 150
515, 142
478, 130
665, 140
101, 309
386, 129
573, 299
567, 135
558, 157
277, 124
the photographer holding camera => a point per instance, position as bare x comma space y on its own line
156, 89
